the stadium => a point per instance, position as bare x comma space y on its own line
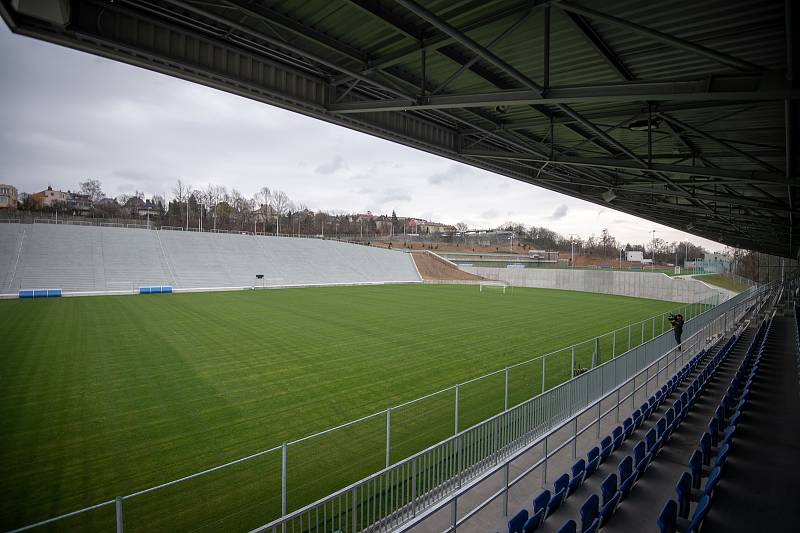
161, 378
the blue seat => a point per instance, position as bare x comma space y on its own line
606, 447
705, 447
516, 524
713, 431
611, 497
696, 468
713, 481
640, 457
539, 510
651, 440
683, 490
569, 527
578, 473
618, 436
627, 425
727, 437
661, 427
670, 414
593, 458
561, 485
532, 523
667, 520
699, 515
719, 414
637, 418
590, 514
722, 456
626, 477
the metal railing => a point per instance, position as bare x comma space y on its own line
470, 402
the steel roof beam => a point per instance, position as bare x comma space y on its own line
709, 137
650, 33
715, 89
585, 30
753, 176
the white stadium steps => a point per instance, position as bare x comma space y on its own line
108, 259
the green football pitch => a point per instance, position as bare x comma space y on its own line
104, 396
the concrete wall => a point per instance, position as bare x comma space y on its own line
638, 284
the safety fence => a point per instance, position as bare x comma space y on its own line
271, 481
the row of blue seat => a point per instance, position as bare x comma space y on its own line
595, 513
163, 289
39, 293
708, 460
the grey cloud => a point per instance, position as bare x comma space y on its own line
490, 213
329, 167
453, 172
560, 212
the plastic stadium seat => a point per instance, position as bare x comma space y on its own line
628, 427
696, 468
611, 498
667, 520
578, 473
533, 523
699, 515
722, 456
569, 527
640, 457
705, 448
683, 490
637, 418
593, 460
618, 437
626, 477
606, 447
713, 431
590, 514
561, 485
661, 428
516, 524
713, 481
727, 438
539, 509
670, 415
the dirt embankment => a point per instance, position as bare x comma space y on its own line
433, 268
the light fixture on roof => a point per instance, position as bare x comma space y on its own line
608, 195
641, 125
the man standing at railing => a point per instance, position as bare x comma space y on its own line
677, 327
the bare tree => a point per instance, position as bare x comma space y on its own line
93, 189
280, 204
462, 227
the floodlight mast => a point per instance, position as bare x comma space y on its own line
572, 248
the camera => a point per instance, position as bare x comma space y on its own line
671, 317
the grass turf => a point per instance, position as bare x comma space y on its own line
721, 281
104, 396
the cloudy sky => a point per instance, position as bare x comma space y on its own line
68, 116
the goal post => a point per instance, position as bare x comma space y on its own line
494, 285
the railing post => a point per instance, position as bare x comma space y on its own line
662, 322
414, 487
573, 361
642, 339
118, 512
455, 432
283, 479
505, 491
614, 345
505, 402
574, 437
544, 365
629, 337
544, 475
355, 518
388, 433
653, 328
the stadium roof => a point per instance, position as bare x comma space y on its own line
684, 113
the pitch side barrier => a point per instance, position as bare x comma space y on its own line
409, 486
